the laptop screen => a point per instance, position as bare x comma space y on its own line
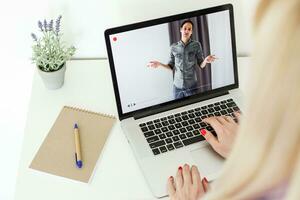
174, 60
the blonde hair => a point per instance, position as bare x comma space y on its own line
266, 152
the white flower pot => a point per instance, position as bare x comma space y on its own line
53, 80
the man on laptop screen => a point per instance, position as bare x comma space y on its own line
185, 55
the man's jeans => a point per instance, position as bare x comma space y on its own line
180, 93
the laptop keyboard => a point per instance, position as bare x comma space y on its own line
182, 129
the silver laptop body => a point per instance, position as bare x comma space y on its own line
138, 110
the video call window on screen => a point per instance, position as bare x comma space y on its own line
173, 60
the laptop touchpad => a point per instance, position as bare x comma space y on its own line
207, 161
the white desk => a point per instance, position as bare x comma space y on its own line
117, 176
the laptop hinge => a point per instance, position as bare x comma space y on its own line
163, 108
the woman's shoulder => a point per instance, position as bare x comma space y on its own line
276, 193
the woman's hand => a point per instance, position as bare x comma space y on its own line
187, 184
210, 58
226, 129
154, 64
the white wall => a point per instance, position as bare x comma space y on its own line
17, 20
138, 10
85, 21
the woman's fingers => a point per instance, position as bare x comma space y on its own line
205, 184
237, 115
214, 123
196, 179
229, 119
171, 186
211, 139
222, 120
187, 179
179, 179
187, 184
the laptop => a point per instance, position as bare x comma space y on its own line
168, 75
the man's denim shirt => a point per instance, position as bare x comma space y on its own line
183, 60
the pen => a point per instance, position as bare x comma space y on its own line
78, 158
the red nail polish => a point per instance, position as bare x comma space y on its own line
179, 168
203, 132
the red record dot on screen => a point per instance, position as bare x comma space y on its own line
114, 39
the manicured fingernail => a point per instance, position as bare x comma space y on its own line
171, 177
205, 179
179, 168
203, 132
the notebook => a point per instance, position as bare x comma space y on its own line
57, 153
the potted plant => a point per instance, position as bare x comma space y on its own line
50, 53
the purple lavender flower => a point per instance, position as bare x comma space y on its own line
40, 25
34, 37
57, 25
45, 25
50, 25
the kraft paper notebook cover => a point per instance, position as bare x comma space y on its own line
57, 153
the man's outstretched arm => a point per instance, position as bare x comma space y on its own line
156, 64
208, 59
